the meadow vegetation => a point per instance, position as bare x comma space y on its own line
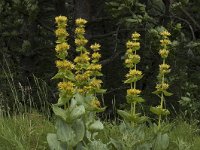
75, 121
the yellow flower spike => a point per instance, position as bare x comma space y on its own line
135, 36
62, 47
60, 32
165, 33
133, 92
95, 47
164, 53
165, 42
66, 86
81, 22
64, 64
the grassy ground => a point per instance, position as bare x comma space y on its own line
24, 132
28, 129
28, 132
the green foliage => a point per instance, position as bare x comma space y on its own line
24, 132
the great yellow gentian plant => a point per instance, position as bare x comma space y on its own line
133, 94
76, 123
162, 85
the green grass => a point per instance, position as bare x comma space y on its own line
24, 132
29, 131
24, 128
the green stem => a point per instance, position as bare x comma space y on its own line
159, 121
134, 108
161, 98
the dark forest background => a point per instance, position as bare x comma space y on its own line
27, 43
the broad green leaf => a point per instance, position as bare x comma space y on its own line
53, 142
77, 112
96, 126
167, 93
65, 133
124, 114
162, 142
132, 99
100, 91
63, 100
69, 75
79, 129
59, 75
159, 111
60, 112
96, 145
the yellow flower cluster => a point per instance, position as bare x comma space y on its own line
64, 65
80, 22
94, 67
82, 59
95, 103
60, 32
96, 56
68, 87
165, 42
96, 83
62, 47
133, 92
61, 21
165, 33
131, 60
82, 77
162, 86
164, 68
134, 74
135, 36
133, 45
80, 31
95, 47
164, 53
81, 42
